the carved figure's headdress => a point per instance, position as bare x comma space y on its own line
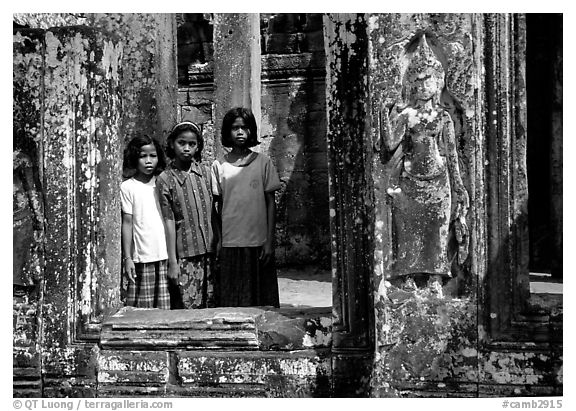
423, 63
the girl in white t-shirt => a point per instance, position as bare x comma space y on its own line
243, 184
143, 239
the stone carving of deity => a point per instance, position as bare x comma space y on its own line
425, 189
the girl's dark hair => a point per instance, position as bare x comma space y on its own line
248, 118
181, 128
132, 152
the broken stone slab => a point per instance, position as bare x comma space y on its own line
152, 318
238, 328
206, 328
295, 328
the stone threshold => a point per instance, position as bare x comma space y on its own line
226, 328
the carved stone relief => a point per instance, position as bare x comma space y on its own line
423, 183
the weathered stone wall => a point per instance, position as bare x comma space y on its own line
149, 70
294, 122
433, 342
74, 72
28, 211
215, 374
68, 119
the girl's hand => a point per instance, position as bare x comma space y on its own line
173, 270
130, 270
266, 253
218, 248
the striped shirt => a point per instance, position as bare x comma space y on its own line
186, 198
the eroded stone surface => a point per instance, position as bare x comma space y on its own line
294, 329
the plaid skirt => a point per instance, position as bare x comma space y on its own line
151, 287
195, 285
243, 280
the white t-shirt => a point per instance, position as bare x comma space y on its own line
148, 237
244, 220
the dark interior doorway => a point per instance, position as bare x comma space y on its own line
544, 152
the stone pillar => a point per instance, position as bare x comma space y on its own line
237, 67
350, 186
81, 179
149, 71
28, 215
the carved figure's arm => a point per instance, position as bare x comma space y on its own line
462, 199
392, 127
449, 140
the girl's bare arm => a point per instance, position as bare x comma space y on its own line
217, 222
268, 248
170, 231
127, 229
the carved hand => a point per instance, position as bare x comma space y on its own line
393, 126
462, 239
460, 226
462, 203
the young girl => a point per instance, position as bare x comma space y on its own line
243, 185
186, 204
143, 241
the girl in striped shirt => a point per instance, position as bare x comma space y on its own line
185, 198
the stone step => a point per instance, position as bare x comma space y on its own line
26, 372
26, 383
222, 390
206, 328
26, 393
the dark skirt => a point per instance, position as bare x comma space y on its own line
243, 280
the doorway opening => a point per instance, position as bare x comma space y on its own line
544, 150
292, 133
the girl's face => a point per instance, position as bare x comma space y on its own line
148, 159
239, 132
185, 146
